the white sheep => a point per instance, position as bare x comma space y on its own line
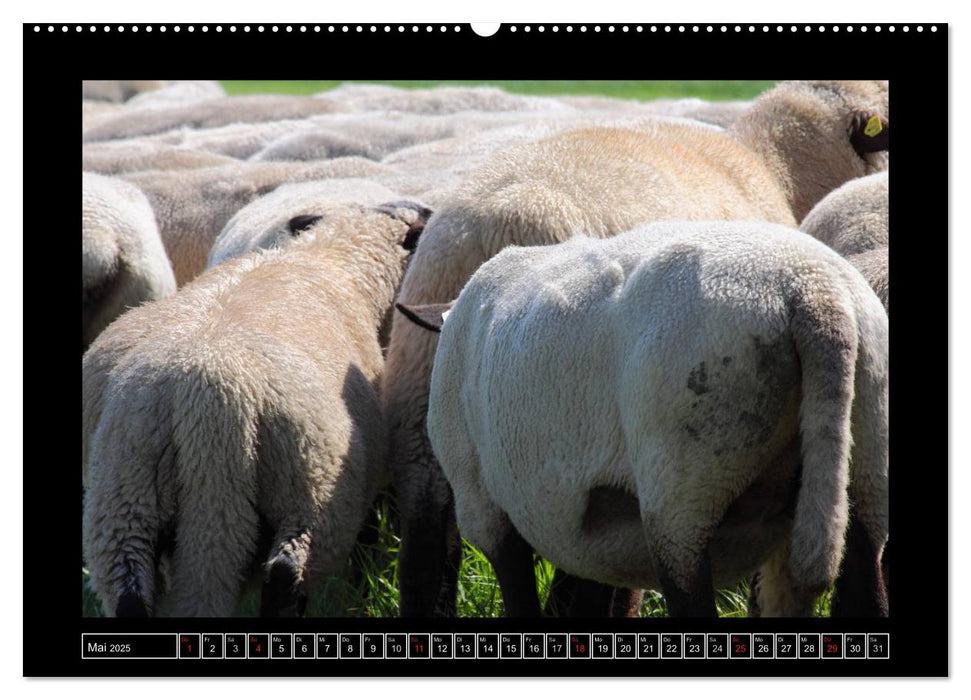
193, 206
119, 90
797, 142
244, 406
123, 262
133, 155
218, 111
853, 218
664, 409
180, 92
439, 100
275, 218
874, 264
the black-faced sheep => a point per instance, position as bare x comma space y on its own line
727, 377
123, 262
245, 405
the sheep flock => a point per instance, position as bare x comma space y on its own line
645, 342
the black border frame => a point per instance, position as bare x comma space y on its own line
915, 62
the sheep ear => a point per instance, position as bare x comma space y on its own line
429, 316
869, 133
412, 213
301, 223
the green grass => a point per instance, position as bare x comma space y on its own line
625, 89
368, 586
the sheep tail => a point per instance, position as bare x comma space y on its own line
825, 335
215, 428
121, 523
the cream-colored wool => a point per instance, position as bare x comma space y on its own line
193, 206
95, 111
234, 140
681, 364
123, 262
209, 113
265, 222
441, 100
251, 394
800, 131
875, 266
602, 181
119, 90
853, 218
132, 155
181, 92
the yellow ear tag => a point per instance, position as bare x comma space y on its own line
873, 126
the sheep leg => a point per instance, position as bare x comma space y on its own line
626, 602
694, 599
512, 560
425, 569
773, 593
563, 590
860, 590
282, 594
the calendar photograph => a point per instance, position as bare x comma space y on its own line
485, 348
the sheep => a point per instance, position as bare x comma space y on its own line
181, 92
117, 157
853, 218
705, 419
601, 181
118, 90
435, 101
218, 111
721, 114
235, 140
874, 264
193, 206
245, 405
95, 111
273, 219
816, 135
123, 262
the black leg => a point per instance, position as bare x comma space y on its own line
429, 556
860, 591
513, 564
592, 599
698, 600
281, 595
562, 592
626, 602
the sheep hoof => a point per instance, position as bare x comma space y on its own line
281, 596
698, 600
860, 590
131, 605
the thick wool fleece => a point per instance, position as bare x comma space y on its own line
774, 163
219, 111
853, 218
801, 130
192, 207
132, 156
265, 222
611, 400
250, 395
123, 262
875, 266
